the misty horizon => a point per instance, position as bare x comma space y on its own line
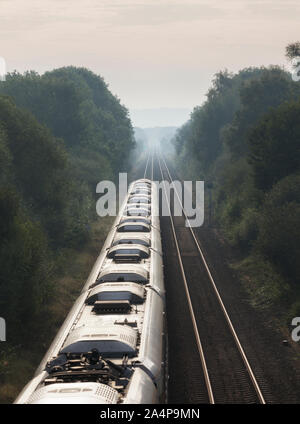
150, 53
159, 117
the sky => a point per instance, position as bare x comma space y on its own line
152, 53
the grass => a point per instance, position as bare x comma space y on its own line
17, 365
270, 292
265, 286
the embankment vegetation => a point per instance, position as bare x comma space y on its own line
60, 134
245, 141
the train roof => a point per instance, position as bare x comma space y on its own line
75, 393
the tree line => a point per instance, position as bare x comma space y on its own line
245, 141
60, 134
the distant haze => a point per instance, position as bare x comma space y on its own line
155, 134
161, 117
152, 53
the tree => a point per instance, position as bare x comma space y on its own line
257, 95
274, 145
292, 50
279, 227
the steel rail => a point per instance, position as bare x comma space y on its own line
229, 322
195, 327
147, 165
152, 165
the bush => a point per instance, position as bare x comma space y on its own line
261, 279
279, 227
274, 145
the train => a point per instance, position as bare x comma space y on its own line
111, 348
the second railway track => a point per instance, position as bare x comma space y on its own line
226, 375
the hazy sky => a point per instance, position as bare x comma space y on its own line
152, 53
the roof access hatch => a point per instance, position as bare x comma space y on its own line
128, 253
113, 341
132, 292
123, 273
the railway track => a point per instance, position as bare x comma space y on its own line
216, 365
148, 172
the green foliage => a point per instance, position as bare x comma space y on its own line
292, 50
274, 145
245, 140
5, 157
41, 173
25, 268
265, 284
294, 311
7, 356
279, 227
60, 134
203, 135
78, 107
234, 190
257, 96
